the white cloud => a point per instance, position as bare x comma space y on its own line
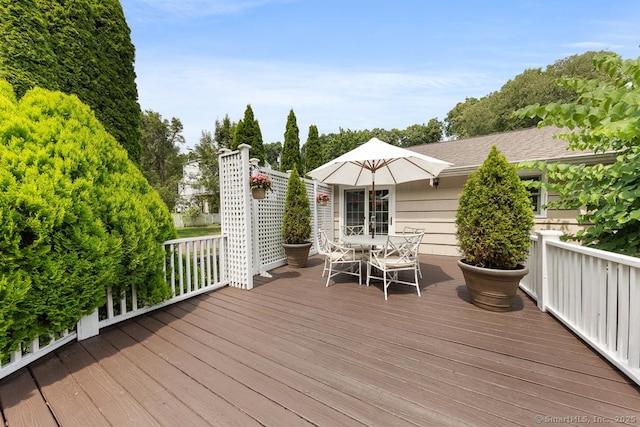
200, 90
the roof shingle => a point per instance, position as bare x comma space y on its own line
518, 146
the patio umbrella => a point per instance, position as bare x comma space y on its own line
376, 161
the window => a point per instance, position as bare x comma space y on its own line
536, 193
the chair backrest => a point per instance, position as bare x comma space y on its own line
413, 230
353, 230
324, 246
404, 246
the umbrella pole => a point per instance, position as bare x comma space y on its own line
373, 203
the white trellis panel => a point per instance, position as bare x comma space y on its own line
235, 215
324, 214
254, 227
269, 214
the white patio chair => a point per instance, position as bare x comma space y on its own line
339, 259
400, 254
355, 230
415, 230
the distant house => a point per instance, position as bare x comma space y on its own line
190, 190
432, 205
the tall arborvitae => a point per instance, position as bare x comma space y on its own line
291, 149
249, 133
238, 136
80, 47
312, 152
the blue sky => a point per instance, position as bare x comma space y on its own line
353, 64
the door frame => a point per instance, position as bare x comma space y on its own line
367, 190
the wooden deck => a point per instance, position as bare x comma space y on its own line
293, 352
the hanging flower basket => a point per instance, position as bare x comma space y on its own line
258, 193
322, 199
259, 184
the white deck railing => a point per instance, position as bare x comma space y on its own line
594, 293
193, 266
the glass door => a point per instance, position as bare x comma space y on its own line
359, 213
379, 216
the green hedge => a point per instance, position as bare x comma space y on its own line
76, 216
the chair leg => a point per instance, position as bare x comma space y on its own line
385, 284
328, 276
368, 273
417, 284
359, 273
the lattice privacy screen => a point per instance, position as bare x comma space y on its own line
235, 215
254, 227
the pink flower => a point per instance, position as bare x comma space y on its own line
260, 181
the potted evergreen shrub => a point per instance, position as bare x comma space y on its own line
296, 225
494, 221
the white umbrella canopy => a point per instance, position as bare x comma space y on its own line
376, 162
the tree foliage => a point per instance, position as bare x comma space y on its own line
291, 150
76, 216
494, 217
161, 160
333, 145
273, 151
224, 132
296, 224
494, 112
604, 118
248, 132
312, 150
206, 153
79, 47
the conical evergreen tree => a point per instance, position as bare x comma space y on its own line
248, 132
238, 136
79, 47
291, 149
296, 224
312, 153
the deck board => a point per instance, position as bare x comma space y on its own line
23, 403
294, 352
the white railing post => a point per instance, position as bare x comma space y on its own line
88, 326
316, 222
542, 287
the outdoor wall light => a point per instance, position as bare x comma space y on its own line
435, 182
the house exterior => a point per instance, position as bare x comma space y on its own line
432, 204
190, 190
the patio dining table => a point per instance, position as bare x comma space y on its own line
365, 240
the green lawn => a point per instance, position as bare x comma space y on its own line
198, 231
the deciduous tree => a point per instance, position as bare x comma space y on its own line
161, 160
206, 153
494, 112
604, 118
